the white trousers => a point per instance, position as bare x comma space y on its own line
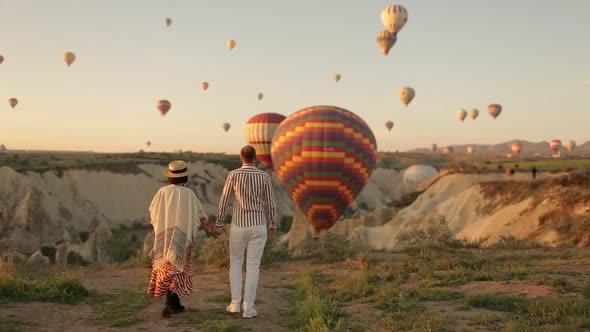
250, 240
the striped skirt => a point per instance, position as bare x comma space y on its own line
167, 278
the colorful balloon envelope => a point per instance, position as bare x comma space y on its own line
205, 85
389, 125
386, 40
323, 155
12, 102
461, 115
495, 110
1, 59
555, 145
163, 106
406, 95
259, 131
231, 44
225, 126
473, 113
394, 18
516, 147
69, 58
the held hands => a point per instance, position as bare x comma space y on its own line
272, 231
219, 230
210, 228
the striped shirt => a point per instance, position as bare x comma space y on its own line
252, 195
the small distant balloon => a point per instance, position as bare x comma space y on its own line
432, 147
570, 145
389, 125
1, 59
394, 18
148, 143
555, 145
448, 150
470, 150
231, 44
495, 110
69, 58
337, 77
12, 102
168, 21
406, 94
516, 147
461, 114
226, 126
386, 40
473, 113
163, 106
259, 95
205, 85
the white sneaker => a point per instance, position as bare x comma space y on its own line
233, 307
249, 311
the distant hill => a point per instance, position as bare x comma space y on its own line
501, 149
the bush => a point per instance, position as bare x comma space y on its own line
435, 232
328, 248
63, 289
119, 246
215, 251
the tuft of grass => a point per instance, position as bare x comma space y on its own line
511, 242
118, 310
222, 327
64, 288
215, 251
489, 320
561, 283
310, 311
329, 248
358, 285
586, 292
421, 322
497, 302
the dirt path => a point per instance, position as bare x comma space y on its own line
205, 307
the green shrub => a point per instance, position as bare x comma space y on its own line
328, 248
215, 251
61, 288
119, 248
497, 302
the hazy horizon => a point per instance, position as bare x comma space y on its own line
529, 56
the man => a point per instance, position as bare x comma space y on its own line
250, 191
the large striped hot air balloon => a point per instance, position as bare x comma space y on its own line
324, 156
394, 18
259, 131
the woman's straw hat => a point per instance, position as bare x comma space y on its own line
176, 169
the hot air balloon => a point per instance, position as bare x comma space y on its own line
1, 59
168, 21
164, 106
69, 58
12, 102
570, 145
148, 143
516, 147
470, 150
495, 110
386, 40
419, 173
225, 126
231, 44
555, 145
432, 147
473, 113
205, 85
259, 95
389, 125
337, 77
461, 114
259, 131
406, 94
394, 18
448, 150
323, 155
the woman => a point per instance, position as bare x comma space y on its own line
176, 215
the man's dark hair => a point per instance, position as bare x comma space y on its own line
181, 180
248, 153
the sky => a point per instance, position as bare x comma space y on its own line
532, 57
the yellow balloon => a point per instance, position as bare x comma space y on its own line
231, 44
337, 77
69, 58
386, 40
167, 21
406, 94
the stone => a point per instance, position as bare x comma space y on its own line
37, 259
